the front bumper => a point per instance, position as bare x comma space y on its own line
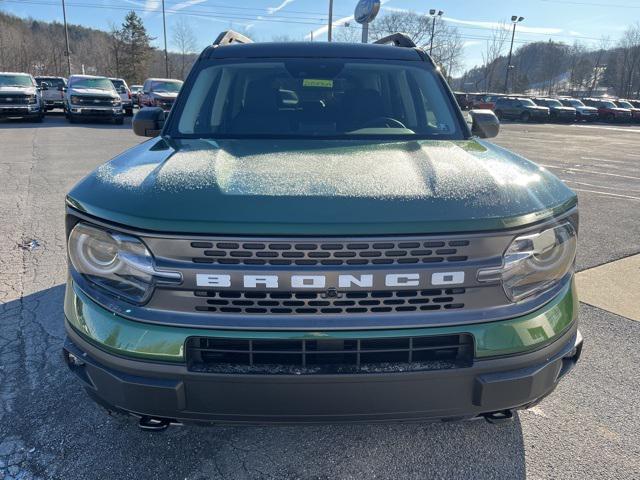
128, 366
96, 112
54, 104
20, 111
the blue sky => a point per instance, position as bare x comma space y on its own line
561, 20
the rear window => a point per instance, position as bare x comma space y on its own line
118, 83
318, 98
52, 82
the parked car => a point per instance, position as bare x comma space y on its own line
520, 108
463, 100
608, 111
135, 93
557, 111
125, 94
363, 256
20, 97
92, 97
583, 112
159, 92
485, 101
635, 111
53, 96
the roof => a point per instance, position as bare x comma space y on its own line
14, 73
312, 50
87, 76
163, 79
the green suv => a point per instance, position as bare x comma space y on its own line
315, 234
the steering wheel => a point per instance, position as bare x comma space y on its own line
384, 122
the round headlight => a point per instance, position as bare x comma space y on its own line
119, 263
536, 262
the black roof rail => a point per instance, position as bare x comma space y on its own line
229, 36
398, 39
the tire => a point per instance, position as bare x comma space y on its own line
71, 118
500, 115
39, 118
118, 121
611, 118
129, 113
525, 117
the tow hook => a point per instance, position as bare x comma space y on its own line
153, 424
501, 416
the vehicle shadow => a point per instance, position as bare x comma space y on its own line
57, 120
47, 419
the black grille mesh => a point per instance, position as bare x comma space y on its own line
374, 355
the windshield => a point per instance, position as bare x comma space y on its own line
318, 98
575, 103
52, 82
625, 105
552, 103
161, 86
99, 83
16, 81
608, 104
526, 102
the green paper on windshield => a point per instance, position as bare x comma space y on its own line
317, 82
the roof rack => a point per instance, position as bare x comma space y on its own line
229, 36
398, 39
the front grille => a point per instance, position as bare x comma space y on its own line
14, 100
93, 101
329, 253
317, 356
297, 303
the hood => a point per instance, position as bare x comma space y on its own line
167, 95
92, 92
536, 107
564, 109
18, 90
587, 109
318, 187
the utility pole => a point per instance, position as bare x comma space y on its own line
166, 55
330, 25
515, 20
66, 39
433, 14
312, 35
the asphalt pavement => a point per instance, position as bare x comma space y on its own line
49, 429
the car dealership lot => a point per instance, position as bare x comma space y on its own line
49, 429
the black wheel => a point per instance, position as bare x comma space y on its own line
525, 116
39, 118
610, 118
118, 121
129, 112
500, 115
71, 118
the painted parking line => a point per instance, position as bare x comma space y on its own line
624, 162
606, 187
602, 127
587, 171
608, 194
613, 287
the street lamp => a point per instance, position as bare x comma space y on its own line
66, 39
515, 19
433, 14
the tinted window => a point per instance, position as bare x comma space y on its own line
53, 82
625, 105
318, 98
526, 102
118, 84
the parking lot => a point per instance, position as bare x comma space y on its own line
589, 428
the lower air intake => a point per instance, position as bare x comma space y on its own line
326, 356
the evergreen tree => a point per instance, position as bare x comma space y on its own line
136, 50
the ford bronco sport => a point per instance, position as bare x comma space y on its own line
315, 234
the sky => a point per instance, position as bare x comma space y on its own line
586, 21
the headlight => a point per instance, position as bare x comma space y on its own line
117, 262
116, 101
74, 99
534, 263
32, 99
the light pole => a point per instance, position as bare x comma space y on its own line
515, 20
433, 14
166, 55
330, 25
66, 39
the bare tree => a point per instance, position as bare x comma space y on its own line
185, 41
447, 41
493, 50
597, 70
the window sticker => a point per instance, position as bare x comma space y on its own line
317, 82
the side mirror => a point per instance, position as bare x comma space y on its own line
44, 86
123, 90
148, 122
62, 89
484, 124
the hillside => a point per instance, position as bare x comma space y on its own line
37, 47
